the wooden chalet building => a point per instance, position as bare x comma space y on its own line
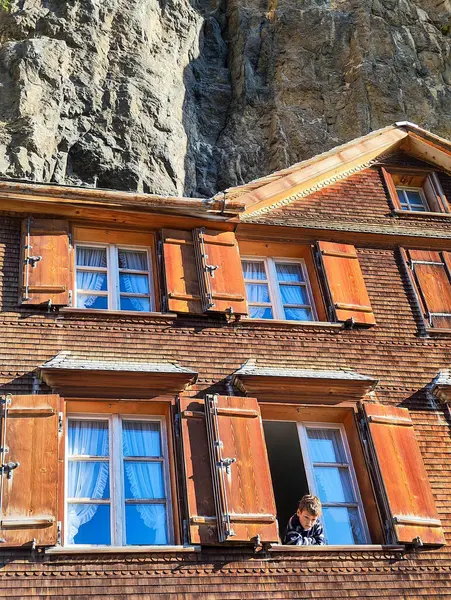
176, 373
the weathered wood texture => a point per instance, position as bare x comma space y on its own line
46, 275
395, 352
29, 512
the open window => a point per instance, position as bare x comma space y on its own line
415, 190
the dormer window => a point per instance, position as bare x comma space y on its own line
415, 191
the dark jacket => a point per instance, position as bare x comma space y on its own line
296, 535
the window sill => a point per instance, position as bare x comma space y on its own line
437, 331
116, 313
397, 212
120, 549
278, 323
337, 548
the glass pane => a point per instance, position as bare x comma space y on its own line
145, 524
88, 438
298, 314
414, 197
91, 257
342, 526
325, 445
88, 480
132, 259
257, 292
89, 280
294, 294
85, 301
138, 304
260, 312
143, 480
333, 484
89, 524
253, 269
141, 438
289, 272
133, 284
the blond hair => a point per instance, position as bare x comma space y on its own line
312, 504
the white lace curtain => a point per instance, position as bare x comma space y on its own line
86, 479
146, 478
133, 283
91, 280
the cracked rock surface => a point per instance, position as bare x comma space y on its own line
192, 96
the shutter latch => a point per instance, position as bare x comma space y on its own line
9, 468
226, 462
211, 269
32, 260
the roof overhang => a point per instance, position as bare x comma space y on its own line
283, 187
441, 386
302, 386
75, 377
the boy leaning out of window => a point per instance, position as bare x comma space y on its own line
303, 527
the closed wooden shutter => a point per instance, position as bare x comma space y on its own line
203, 272
348, 294
46, 277
239, 492
29, 430
401, 476
432, 276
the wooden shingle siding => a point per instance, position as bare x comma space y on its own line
396, 352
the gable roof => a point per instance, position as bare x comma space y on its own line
301, 179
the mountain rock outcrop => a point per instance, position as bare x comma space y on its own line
192, 96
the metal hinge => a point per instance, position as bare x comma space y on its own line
58, 533
69, 298
177, 425
60, 422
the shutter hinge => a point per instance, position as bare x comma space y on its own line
177, 425
60, 422
69, 236
69, 299
58, 533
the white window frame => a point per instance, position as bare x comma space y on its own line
405, 204
309, 469
275, 296
116, 476
113, 293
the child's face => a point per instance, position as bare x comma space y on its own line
306, 518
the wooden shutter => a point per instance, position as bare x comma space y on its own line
391, 189
203, 271
401, 475
240, 486
46, 265
347, 289
432, 277
29, 430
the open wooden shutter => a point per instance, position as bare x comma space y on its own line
239, 494
432, 277
46, 266
347, 289
203, 271
401, 476
391, 189
29, 431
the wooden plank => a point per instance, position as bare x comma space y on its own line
30, 495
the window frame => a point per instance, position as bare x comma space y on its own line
117, 500
309, 469
275, 296
420, 191
434, 199
113, 293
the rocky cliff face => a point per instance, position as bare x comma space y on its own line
191, 96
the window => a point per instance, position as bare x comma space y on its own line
113, 277
415, 191
430, 273
278, 289
117, 487
319, 456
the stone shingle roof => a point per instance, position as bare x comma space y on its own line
252, 369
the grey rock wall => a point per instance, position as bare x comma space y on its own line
191, 96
